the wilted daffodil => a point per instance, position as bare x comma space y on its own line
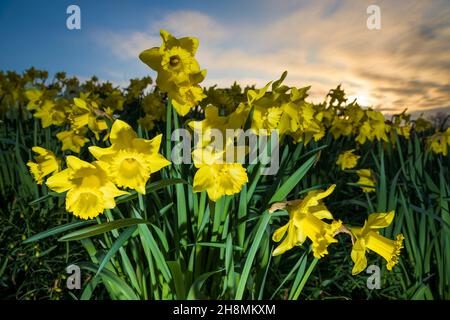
369, 238
347, 159
422, 124
215, 176
45, 163
366, 178
89, 185
178, 71
131, 159
305, 221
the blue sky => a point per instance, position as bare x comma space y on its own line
406, 64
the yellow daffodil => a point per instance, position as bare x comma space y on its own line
114, 100
369, 238
51, 113
131, 159
45, 163
303, 121
366, 178
34, 97
347, 159
86, 113
305, 221
186, 97
178, 72
147, 122
215, 176
341, 127
152, 105
440, 142
72, 140
373, 127
400, 124
174, 60
266, 118
89, 185
213, 121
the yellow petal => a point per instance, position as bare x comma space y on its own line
35, 171
157, 162
280, 232
60, 181
152, 58
122, 134
76, 164
40, 150
380, 220
110, 191
204, 179
102, 153
148, 146
288, 243
358, 256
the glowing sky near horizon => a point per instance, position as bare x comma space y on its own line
406, 64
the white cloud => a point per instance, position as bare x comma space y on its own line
127, 46
193, 23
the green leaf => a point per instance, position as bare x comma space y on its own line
178, 279
293, 180
56, 230
101, 228
152, 187
126, 292
195, 292
116, 246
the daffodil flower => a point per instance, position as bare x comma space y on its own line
85, 113
73, 139
347, 159
366, 178
34, 97
186, 97
45, 163
440, 142
178, 72
174, 60
51, 113
147, 122
369, 238
341, 126
215, 176
373, 127
89, 187
131, 159
305, 221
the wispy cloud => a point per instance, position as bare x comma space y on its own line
406, 64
